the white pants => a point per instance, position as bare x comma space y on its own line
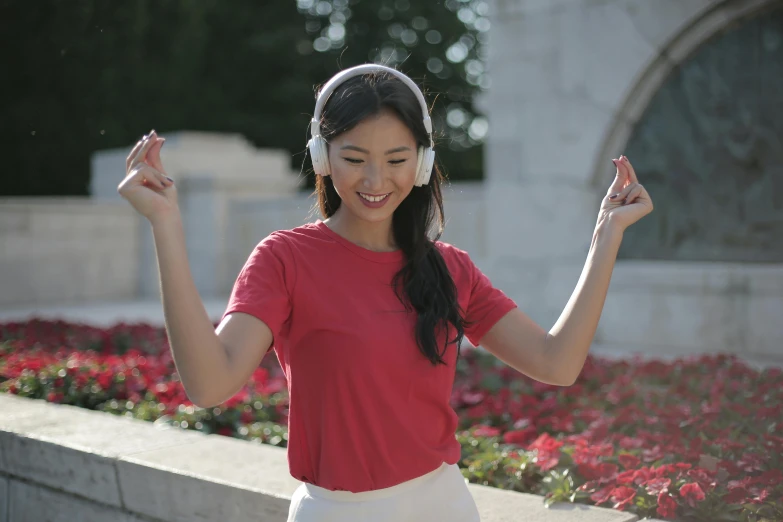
441, 494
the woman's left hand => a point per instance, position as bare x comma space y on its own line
626, 201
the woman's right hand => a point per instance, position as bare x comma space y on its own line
146, 186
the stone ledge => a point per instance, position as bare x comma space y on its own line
82, 460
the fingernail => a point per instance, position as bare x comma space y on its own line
168, 178
152, 132
614, 196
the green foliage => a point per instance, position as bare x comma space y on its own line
89, 75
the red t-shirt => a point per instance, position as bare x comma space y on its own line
367, 409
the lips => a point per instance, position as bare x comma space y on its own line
373, 201
373, 198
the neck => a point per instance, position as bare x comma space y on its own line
375, 236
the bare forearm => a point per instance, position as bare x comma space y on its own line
570, 338
198, 355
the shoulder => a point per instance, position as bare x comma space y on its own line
452, 253
288, 238
457, 261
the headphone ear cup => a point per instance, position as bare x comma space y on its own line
319, 156
426, 162
419, 162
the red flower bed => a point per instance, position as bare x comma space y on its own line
693, 439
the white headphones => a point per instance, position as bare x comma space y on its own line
317, 145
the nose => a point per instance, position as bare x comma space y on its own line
373, 177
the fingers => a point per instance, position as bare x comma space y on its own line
133, 152
624, 176
625, 165
141, 153
153, 155
619, 179
628, 194
151, 177
634, 193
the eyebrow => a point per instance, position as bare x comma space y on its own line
359, 149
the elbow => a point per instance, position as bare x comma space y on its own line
204, 404
565, 377
202, 400
567, 382
560, 376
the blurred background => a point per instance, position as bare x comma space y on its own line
530, 100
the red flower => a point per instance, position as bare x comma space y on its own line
105, 379
545, 442
761, 497
703, 478
548, 450
736, 495
520, 437
692, 493
622, 496
653, 454
486, 431
658, 485
667, 506
626, 477
597, 471
602, 495
628, 461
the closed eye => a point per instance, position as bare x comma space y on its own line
355, 161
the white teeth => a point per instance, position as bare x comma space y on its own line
373, 198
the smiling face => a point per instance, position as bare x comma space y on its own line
373, 167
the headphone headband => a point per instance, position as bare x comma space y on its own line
318, 146
337, 79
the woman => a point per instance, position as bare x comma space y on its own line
365, 311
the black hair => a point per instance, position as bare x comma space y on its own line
424, 284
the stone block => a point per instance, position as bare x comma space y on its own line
687, 308
74, 449
543, 220
503, 117
5, 493
532, 37
499, 505
33, 503
465, 218
764, 328
504, 158
252, 481
519, 8
561, 136
602, 53
660, 21
59, 467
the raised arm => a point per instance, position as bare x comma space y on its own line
212, 365
557, 356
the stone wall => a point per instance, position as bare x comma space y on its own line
569, 80
76, 250
63, 463
66, 249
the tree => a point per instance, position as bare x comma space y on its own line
90, 75
440, 45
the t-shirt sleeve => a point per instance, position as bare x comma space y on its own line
263, 286
487, 304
